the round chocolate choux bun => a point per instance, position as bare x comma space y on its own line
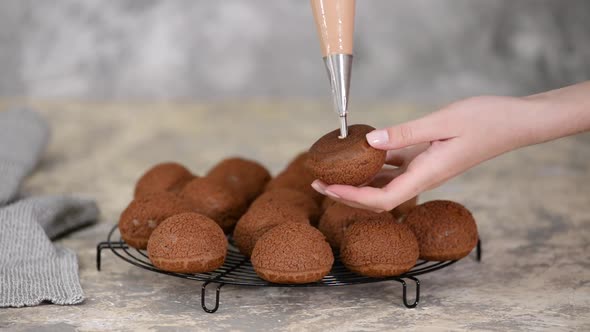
168, 176
290, 197
339, 217
216, 201
296, 176
300, 181
187, 243
351, 160
245, 177
262, 217
292, 253
445, 230
298, 163
145, 213
379, 248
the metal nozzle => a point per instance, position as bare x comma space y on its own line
343, 127
339, 67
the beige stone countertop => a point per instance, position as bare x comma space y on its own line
532, 207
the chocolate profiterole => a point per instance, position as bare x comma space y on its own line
145, 213
379, 248
215, 201
167, 176
187, 243
298, 163
290, 197
245, 177
339, 217
445, 230
298, 177
260, 218
350, 160
292, 253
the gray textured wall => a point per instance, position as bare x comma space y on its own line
419, 50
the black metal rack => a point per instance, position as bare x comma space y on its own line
237, 270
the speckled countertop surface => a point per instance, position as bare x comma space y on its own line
532, 207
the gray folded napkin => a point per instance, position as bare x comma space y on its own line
32, 269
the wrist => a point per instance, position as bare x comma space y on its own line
558, 116
537, 121
523, 124
559, 113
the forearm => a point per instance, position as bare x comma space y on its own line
560, 112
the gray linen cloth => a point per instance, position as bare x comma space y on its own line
32, 269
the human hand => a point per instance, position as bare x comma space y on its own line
429, 151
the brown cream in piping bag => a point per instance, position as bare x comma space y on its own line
335, 23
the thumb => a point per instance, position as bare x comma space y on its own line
427, 129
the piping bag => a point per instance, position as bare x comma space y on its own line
335, 23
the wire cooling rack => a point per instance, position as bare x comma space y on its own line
237, 270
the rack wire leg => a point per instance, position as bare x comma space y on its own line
105, 245
99, 249
203, 293
405, 291
478, 250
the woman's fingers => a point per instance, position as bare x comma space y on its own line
402, 157
377, 199
427, 129
385, 176
380, 180
350, 195
321, 187
399, 190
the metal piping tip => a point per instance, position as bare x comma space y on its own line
343, 127
339, 68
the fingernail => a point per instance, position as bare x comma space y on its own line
378, 137
331, 194
318, 188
